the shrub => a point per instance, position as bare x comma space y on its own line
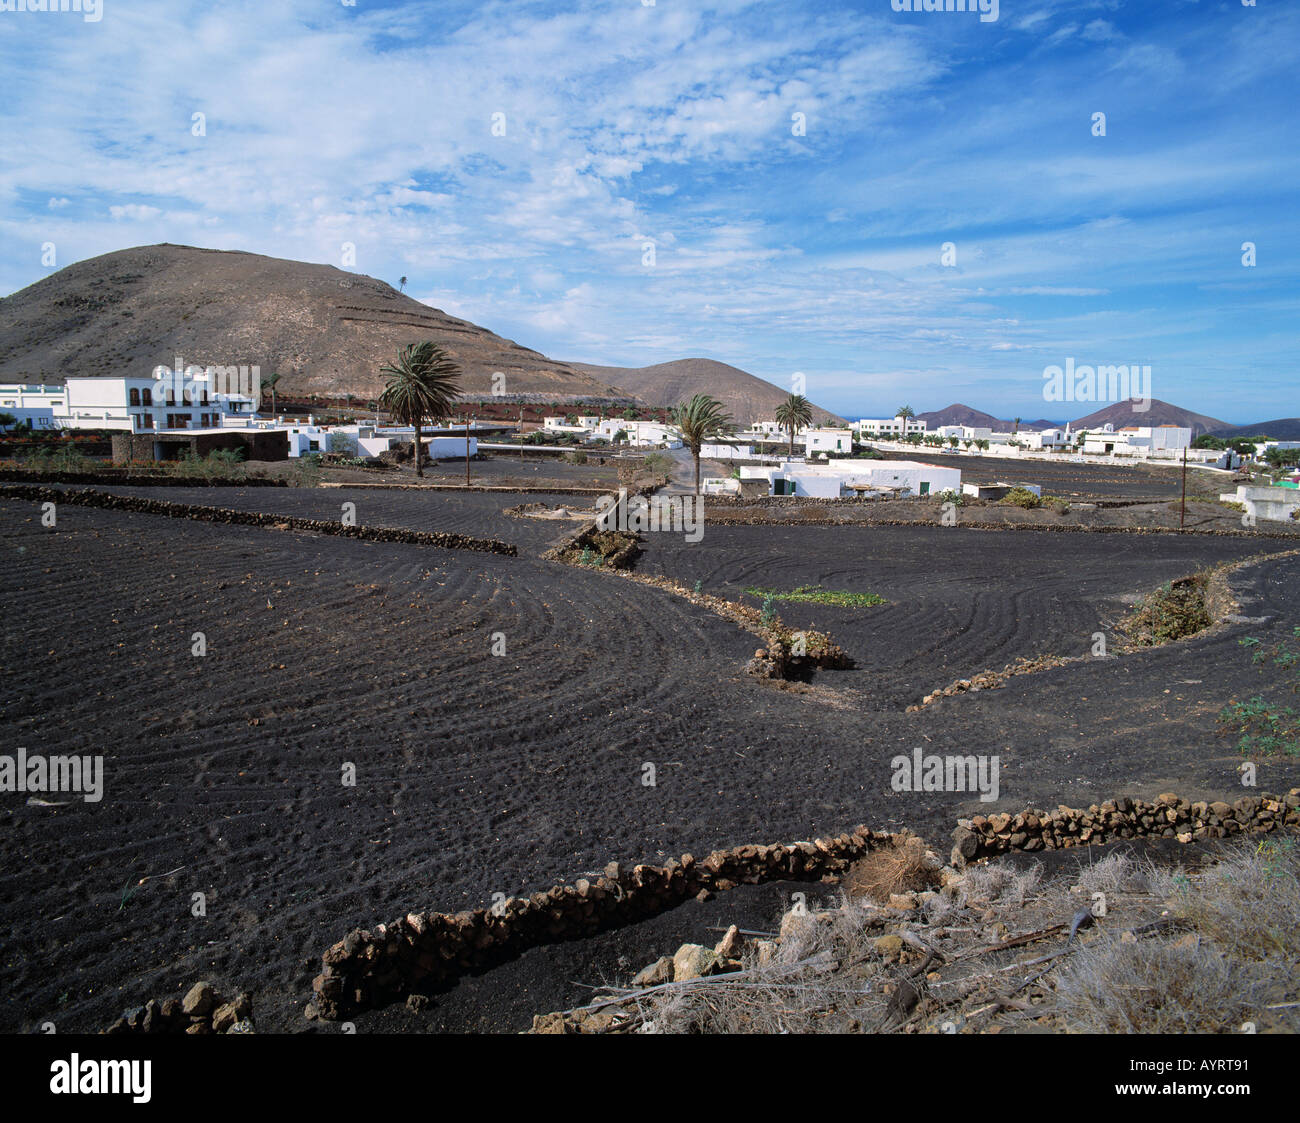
815, 594
1176, 610
1022, 497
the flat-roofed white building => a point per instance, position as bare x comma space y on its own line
890, 426
584, 427
828, 441
1137, 440
643, 434
371, 440
35, 405
773, 431
144, 405
840, 478
1046, 438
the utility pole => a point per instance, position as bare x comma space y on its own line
1182, 514
467, 447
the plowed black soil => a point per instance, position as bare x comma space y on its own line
479, 773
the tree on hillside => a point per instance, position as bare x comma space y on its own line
423, 383
793, 414
697, 421
401, 285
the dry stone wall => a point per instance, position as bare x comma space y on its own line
1168, 816
423, 951
107, 501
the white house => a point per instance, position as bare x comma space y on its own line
1046, 438
640, 433
890, 426
584, 427
840, 478
35, 405
148, 404
1136, 440
773, 431
371, 440
827, 440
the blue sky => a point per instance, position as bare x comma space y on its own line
673, 123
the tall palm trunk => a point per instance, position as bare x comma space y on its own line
467, 450
697, 470
419, 471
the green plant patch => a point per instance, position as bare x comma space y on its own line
815, 594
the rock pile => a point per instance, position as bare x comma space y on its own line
690, 961
994, 680
203, 1010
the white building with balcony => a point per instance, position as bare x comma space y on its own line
148, 404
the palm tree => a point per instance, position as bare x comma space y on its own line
402, 285
269, 382
422, 383
792, 414
1017, 426
905, 414
698, 420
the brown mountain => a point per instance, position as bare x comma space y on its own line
325, 330
746, 397
959, 414
1161, 413
1279, 429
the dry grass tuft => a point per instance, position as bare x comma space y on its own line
899, 869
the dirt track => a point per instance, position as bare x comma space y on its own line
479, 774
